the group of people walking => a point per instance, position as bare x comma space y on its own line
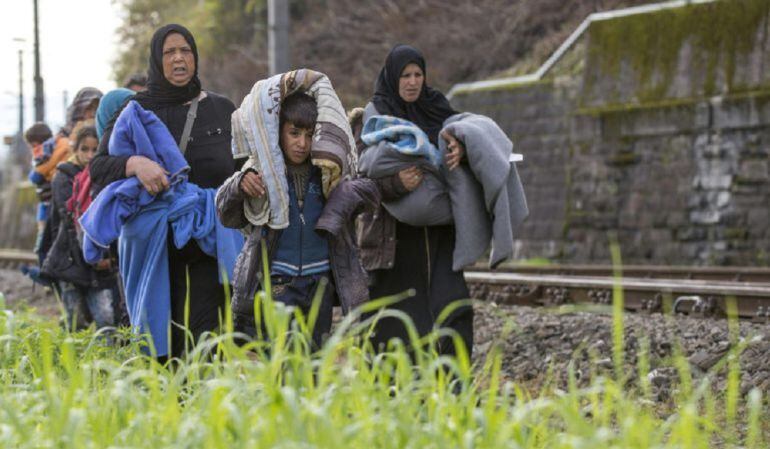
89, 292
211, 185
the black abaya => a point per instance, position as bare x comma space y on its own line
423, 262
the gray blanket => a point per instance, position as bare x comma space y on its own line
488, 201
484, 199
428, 205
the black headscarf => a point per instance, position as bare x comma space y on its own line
429, 110
160, 92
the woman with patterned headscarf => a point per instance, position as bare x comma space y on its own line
83, 107
172, 85
399, 256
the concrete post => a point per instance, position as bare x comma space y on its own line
278, 35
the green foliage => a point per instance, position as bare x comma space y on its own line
708, 40
140, 19
75, 391
224, 30
25, 194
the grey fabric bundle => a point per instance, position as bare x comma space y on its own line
484, 199
428, 205
488, 200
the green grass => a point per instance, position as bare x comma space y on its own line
60, 390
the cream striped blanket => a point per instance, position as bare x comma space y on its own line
255, 127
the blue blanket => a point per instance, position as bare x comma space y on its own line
125, 209
396, 144
403, 135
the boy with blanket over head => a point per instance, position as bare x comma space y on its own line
296, 197
35, 136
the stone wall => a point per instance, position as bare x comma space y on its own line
672, 162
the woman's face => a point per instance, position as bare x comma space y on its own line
86, 150
178, 60
410, 83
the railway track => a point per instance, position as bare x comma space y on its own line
14, 258
703, 291
738, 274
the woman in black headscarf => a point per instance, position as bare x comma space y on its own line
172, 85
399, 256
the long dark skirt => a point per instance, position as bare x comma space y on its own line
206, 295
423, 261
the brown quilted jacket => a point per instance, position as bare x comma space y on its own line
376, 229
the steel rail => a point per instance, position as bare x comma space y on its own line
700, 290
707, 297
745, 274
15, 257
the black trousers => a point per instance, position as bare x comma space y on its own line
423, 261
206, 295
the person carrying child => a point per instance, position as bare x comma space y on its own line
35, 136
296, 196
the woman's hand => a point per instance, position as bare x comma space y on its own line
102, 265
252, 184
152, 176
456, 150
410, 178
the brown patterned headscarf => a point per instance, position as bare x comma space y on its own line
83, 99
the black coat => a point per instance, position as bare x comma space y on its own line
208, 149
64, 261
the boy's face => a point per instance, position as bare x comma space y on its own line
295, 143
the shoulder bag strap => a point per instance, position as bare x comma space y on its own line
191, 114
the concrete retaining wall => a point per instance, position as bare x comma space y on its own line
666, 151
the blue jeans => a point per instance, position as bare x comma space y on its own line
86, 304
298, 291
